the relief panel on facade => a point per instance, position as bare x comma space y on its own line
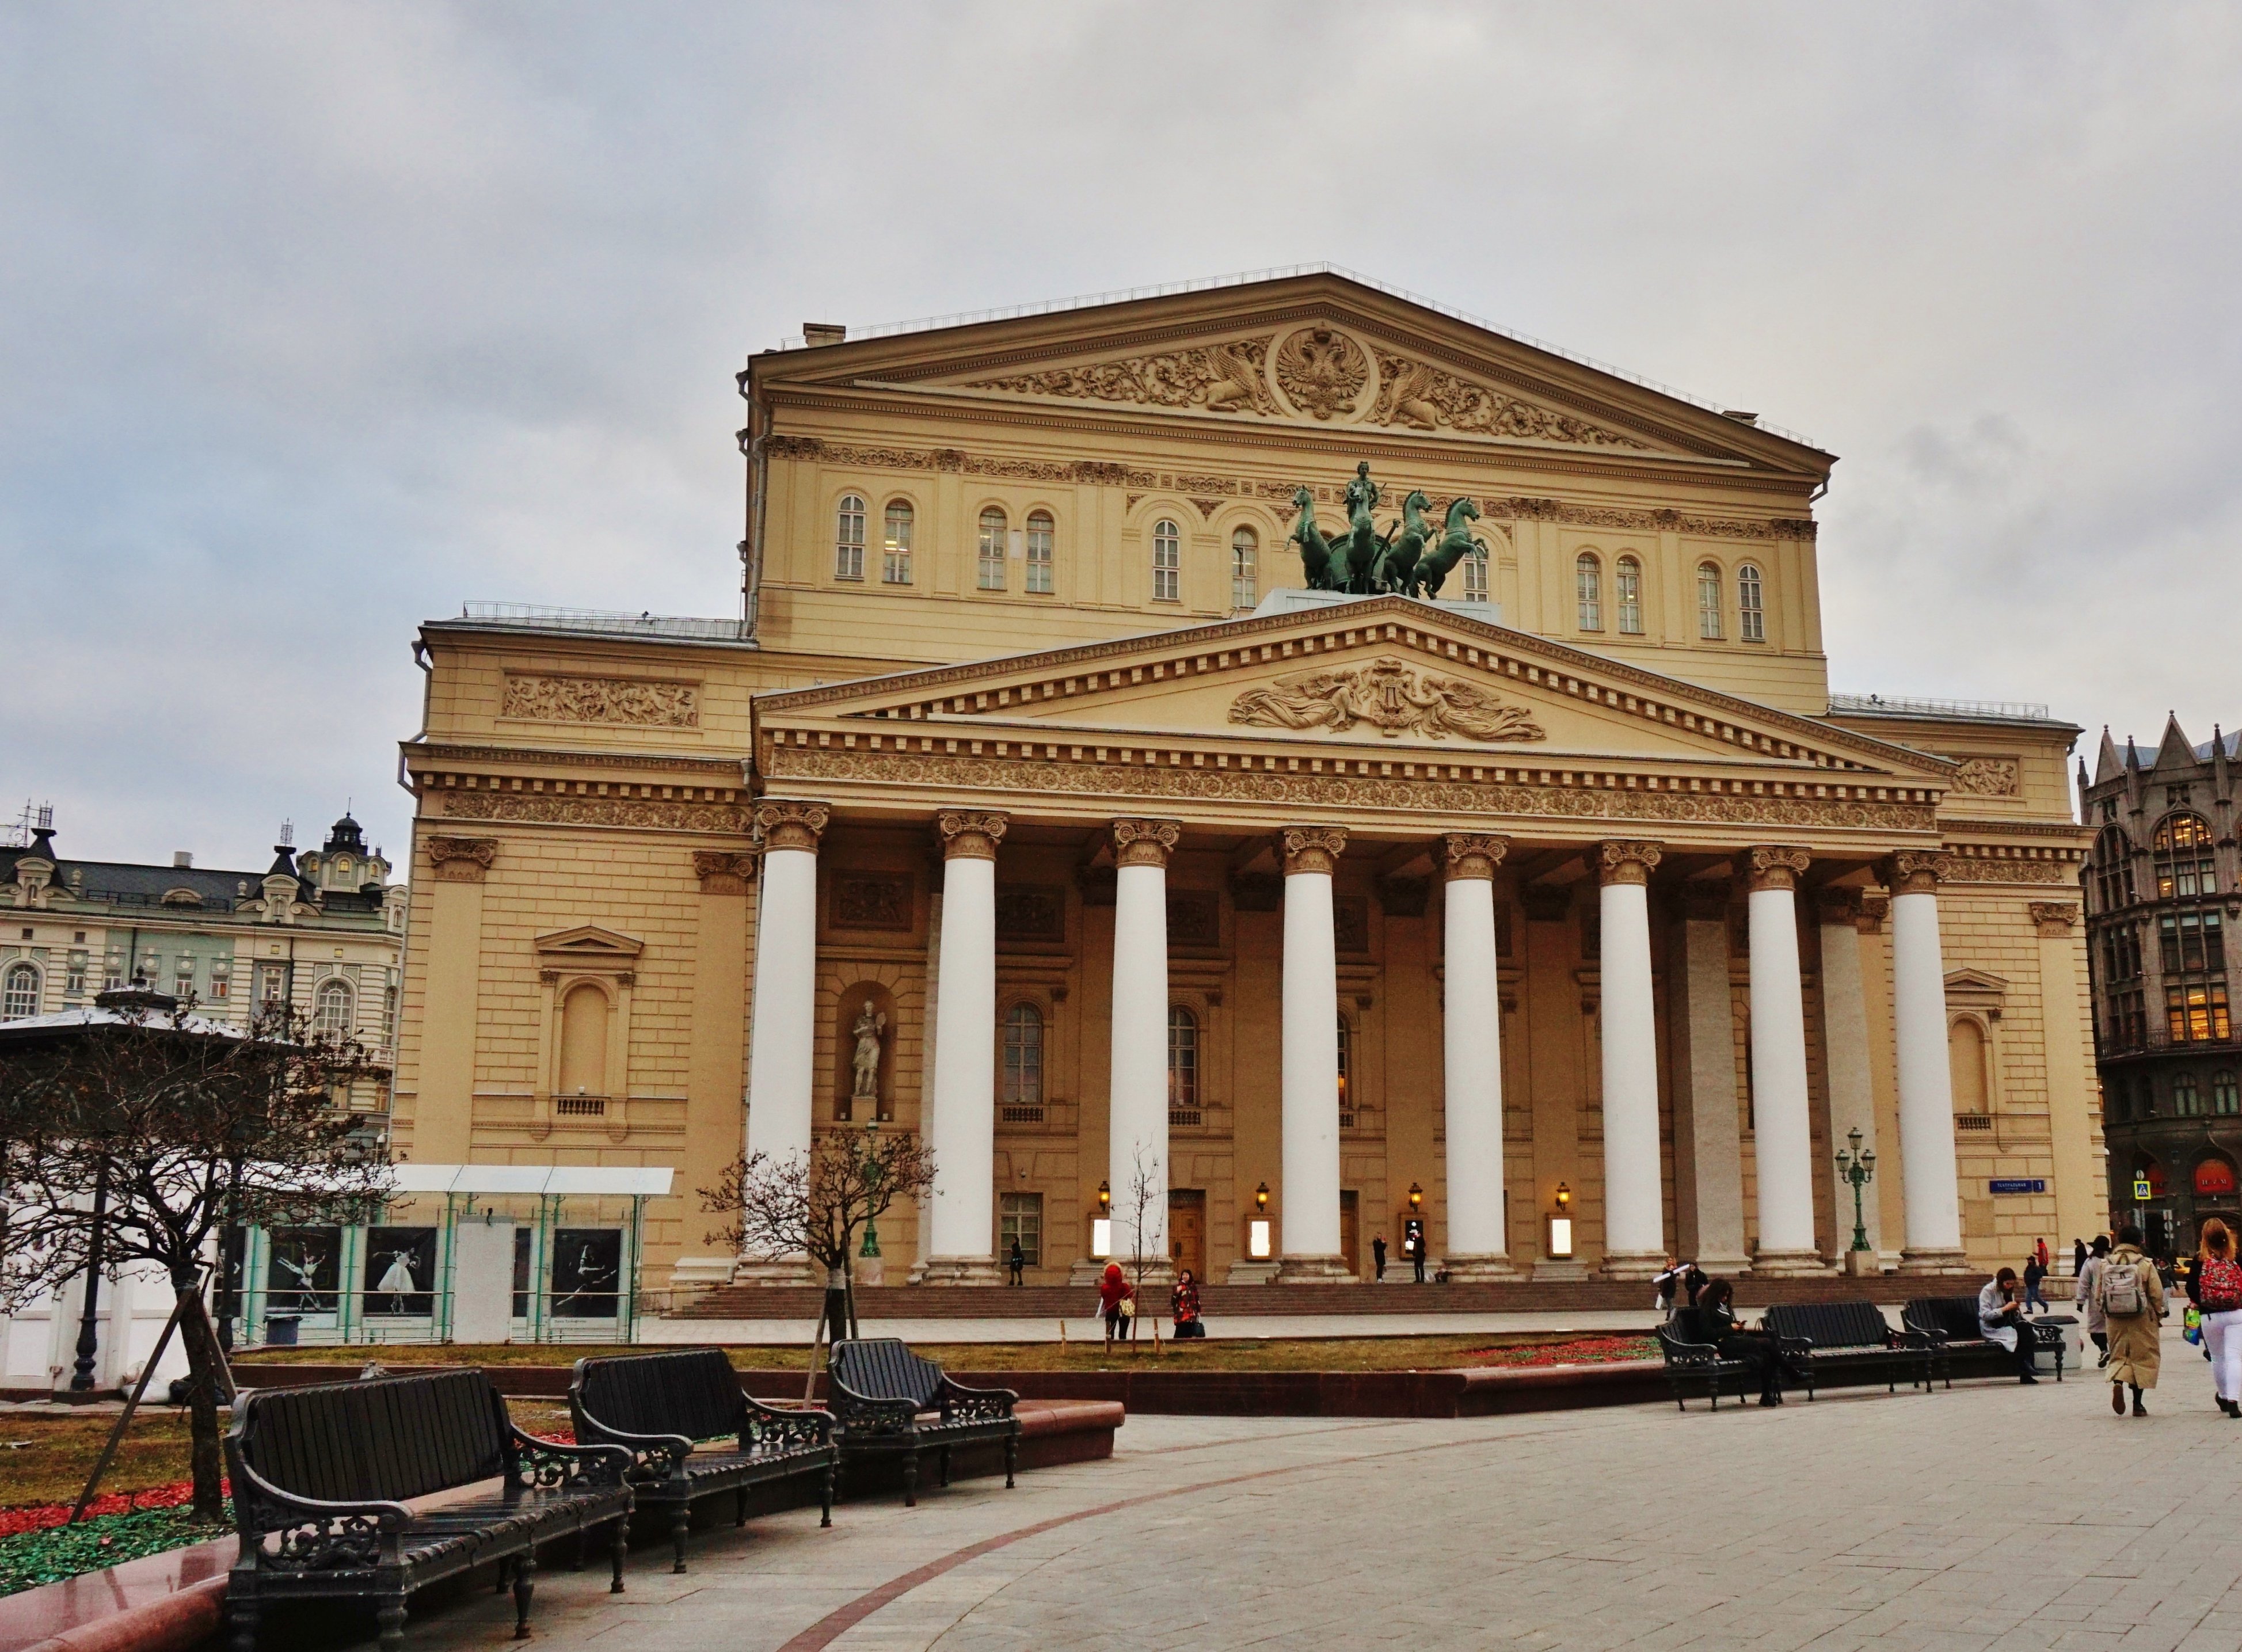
1989, 776
1388, 696
1032, 913
616, 700
870, 901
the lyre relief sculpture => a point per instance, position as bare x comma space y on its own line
1391, 697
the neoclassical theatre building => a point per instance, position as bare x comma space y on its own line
1277, 747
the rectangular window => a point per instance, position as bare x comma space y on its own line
74, 975
2195, 1012
848, 540
1021, 1218
1167, 562
1626, 584
1039, 555
1751, 614
221, 980
1474, 578
113, 972
271, 983
992, 550
1709, 603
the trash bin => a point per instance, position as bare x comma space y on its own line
2073, 1341
280, 1331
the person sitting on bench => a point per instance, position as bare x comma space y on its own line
2001, 1319
1757, 1348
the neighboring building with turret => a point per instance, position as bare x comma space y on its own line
2164, 893
322, 929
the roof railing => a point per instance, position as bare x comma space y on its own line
530, 616
1907, 706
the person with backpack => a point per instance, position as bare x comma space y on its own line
2132, 1299
2216, 1288
2086, 1287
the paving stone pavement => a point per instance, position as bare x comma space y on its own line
1989, 1518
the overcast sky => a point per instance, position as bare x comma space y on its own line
317, 321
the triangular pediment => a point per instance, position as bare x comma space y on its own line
1381, 675
589, 940
1316, 351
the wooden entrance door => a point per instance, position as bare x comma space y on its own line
1350, 1230
1187, 1229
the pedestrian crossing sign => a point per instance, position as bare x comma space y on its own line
2140, 1188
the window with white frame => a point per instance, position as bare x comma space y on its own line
992, 550
1040, 535
1167, 562
1023, 1064
1183, 1067
895, 543
1626, 594
221, 979
849, 538
1245, 568
1708, 602
1588, 588
19, 992
1751, 613
74, 976
1475, 577
272, 984
331, 1010
113, 972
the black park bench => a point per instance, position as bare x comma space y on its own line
888, 1401
1835, 1335
1950, 1324
1692, 1357
664, 1408
371, 1490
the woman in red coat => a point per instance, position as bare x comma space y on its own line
1112, 1291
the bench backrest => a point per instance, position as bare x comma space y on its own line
883, 1368
1689, 1325
1830, 1324
1955, 1315
391, 1438
694, 1392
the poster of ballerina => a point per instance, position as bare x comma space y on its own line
401, 1273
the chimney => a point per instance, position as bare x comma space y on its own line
182, 858
814, 334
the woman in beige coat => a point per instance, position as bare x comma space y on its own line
2129, 1281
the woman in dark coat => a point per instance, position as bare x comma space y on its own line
1182, 1303
1757, 1348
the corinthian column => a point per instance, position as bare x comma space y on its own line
1926, 1082
785, 1017
1782, 1122
1137, 1133
1309, 1215
963, 1136
1479, 1241
1634, 1189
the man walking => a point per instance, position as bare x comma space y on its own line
2034, 1270
1377, 1256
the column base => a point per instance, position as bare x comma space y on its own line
1314, 1270
1722, 1267
1953, 1261
1243, 1272
1468, 1269
777, 1270
960, 1270
1792, 1264
1551, 1268
1862, 1264
1632, 1264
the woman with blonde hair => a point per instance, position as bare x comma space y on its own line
2217, 1288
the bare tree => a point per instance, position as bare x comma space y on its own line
1143, 1196
174, 1128
818, 1204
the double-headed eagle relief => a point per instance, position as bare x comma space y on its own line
1389, 696
1409, 558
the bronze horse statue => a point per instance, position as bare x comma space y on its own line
1364, 551
1405, 543
1316, 552
1456, 543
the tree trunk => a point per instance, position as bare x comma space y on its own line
202, 1405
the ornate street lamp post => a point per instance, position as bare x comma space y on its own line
871, 1246
1858, 1166
88, 1325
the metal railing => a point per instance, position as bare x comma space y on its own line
530, 616
1913, 706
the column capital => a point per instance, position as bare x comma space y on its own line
1311, 848
462, 860
722, 871
1144, 842
1911, 871
1626, 863
1772, 867
1837, 906
2054, 918
790, 823
970, 834
1875, 908
1471, 855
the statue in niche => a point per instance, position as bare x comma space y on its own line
870, 1027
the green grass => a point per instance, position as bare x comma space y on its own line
29, 1559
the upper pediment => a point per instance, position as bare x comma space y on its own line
1389, 675
1316, 351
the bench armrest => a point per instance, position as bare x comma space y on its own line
1679, 1351
954, 1400
316, 1535
545, 1464
762, 1427
859, 1414
653, 1456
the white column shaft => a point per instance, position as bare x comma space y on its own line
1926, 1082
1634, 1213
779, 1051
1783, 1125
1136, 1134
1472, 1001
965, 1133
1310, 1080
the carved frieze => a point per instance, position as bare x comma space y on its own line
1218, 378
1389, 696
1989, 776
650, 813
1963, 868
1418, 396
616, 700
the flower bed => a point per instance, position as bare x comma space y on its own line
1573, 1351
37, 1546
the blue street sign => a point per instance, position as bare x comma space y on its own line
2018, 1185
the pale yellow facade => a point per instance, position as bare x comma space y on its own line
1057, 627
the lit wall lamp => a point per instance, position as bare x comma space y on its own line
1416, 1198
1101, 1223
1560, 1226
1258, 1246
1105, 1197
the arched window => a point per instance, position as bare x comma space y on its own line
992, 550
584, 1041
1751, 612
2113, 870
1039, 552
19, 993
1183, 1067
1245, 569
1167, 562
849, 538
1627, 592
895, 543
1708, 602
2181, 847
2214, 1177
1475, 577
2187, 1097
1345, 1074
1965, 1054
1588, 591
331, 1010
2225, 1096
1023, 1058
